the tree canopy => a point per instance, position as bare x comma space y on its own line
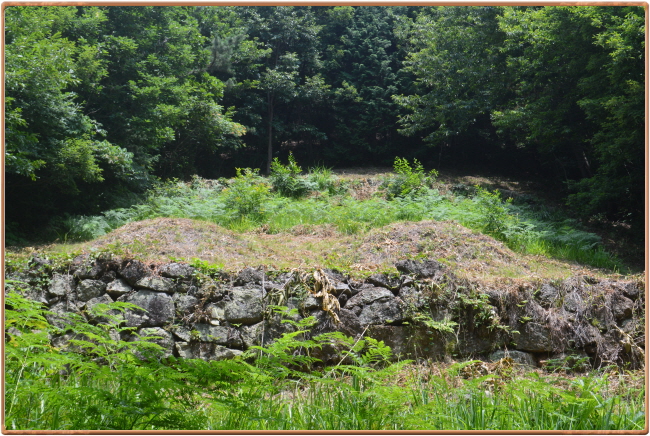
103, 101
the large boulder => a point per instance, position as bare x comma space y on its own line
177, 270
61, 285
89, 289
548, 295
245, 306
158, 284
250, 276
157, 309
423, 269
133, 270
376, 306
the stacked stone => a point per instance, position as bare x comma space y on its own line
198, 316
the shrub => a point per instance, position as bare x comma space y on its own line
246, 195
496, 220
322, 179
286, 179
408, 181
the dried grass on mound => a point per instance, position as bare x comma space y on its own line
445, 241
471, 255
174, 237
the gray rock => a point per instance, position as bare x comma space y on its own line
89, 289
61, 285
423, 269
117, 288
631, 325
548, 295
163, 338
341, 289
622, 307
217, 313
158, 284
350, 324
412, 297
205, 351
252, 335
220, 335
406, 342
334, 275
102, 299
375, 306
133, 270
534, 337
221, 353
311, 302
573, 302
385, 281
93, 272
632, 291
519, 357
245, 306
177, 270
108, 276
183, 333
158, 309
249, 275
368, 296
185, 303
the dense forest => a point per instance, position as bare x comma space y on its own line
103, 102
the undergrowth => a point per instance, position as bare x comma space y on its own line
289, 198
106, 378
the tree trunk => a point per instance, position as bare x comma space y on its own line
270, 134
581, 160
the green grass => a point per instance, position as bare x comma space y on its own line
249, 202
100, 385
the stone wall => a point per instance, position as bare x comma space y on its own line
423, 311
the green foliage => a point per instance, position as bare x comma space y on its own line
444, 326
100, 382
95, 382
563, 83
323, 180
248, 203
286, 179
495, 217
409, 181
246, 195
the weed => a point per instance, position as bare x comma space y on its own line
246, 195
409, 180
286, 179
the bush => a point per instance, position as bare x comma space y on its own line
286, 179
322, 179
408, 181
246, 195
496, 220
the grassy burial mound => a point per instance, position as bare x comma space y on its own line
319, 302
